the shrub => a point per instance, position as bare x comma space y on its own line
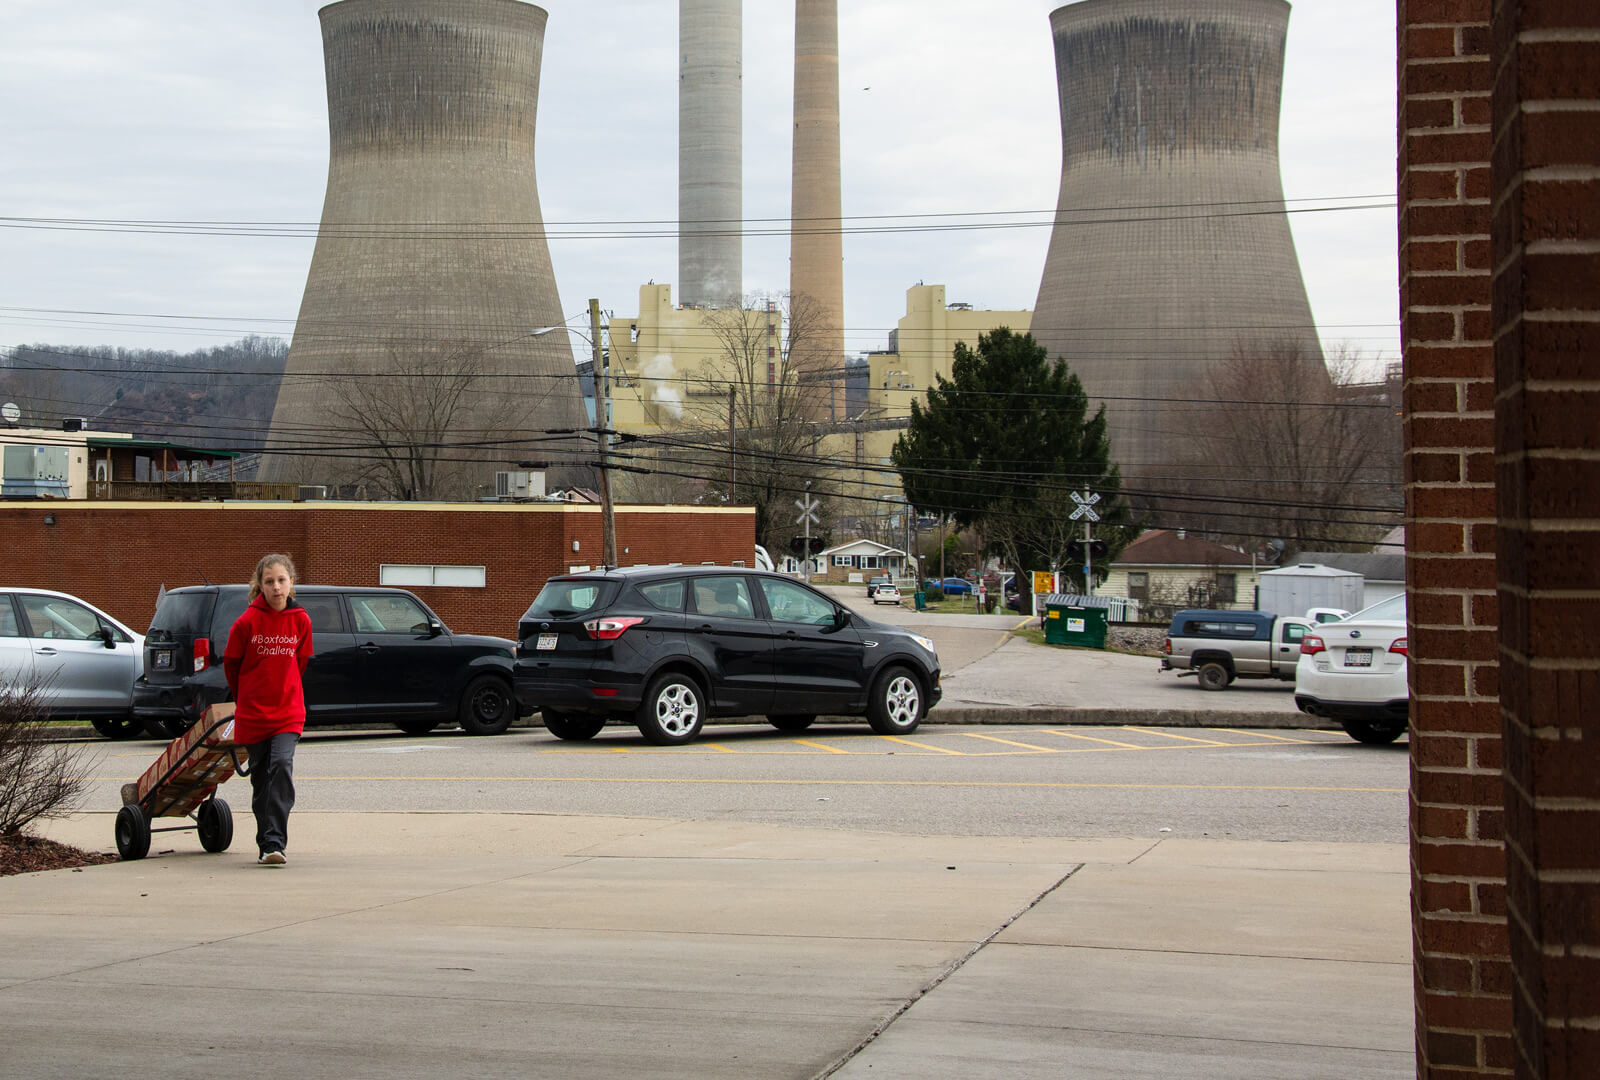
935, 594
39, 778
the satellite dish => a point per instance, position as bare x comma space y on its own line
10, 412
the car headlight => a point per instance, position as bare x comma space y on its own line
926, 643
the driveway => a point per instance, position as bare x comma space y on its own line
985, 667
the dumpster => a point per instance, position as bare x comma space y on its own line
1066, 624
921, 599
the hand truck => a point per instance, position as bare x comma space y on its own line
182, 782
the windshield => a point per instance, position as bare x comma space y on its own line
566, 599
182, 613
1390, 610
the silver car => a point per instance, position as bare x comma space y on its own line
84, 661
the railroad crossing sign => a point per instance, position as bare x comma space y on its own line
1085, 507
808, 510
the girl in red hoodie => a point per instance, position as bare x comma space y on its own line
268, 649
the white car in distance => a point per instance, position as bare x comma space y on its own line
886, 594
1354, 671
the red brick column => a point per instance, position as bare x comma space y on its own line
1457, 860
1546, 249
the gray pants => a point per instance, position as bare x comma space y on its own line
272, 789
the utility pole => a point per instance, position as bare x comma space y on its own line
733, 450
602, 422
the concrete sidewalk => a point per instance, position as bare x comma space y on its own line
468, 945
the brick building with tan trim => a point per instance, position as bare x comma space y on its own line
117, 555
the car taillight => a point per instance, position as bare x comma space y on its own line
612, 628
202, 654
1398, 646
1311, 645
1166, 646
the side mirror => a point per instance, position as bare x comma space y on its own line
841, 618
109, 636
435, 628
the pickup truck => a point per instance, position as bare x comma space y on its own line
1220, 646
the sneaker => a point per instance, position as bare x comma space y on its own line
271, 858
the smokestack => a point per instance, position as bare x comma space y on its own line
710, 152
1169, 111
816, 245
431, 250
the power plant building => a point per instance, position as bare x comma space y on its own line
710, 153
431, 273
1171, 248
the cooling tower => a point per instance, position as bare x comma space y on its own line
431, 269
816, 246
710, 153
1170, 246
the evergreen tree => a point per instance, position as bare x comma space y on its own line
1002, 444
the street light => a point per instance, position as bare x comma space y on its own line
602, 417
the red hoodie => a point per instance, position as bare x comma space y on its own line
267, 653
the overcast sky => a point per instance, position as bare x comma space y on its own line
177, 110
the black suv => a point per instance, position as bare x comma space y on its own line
381, 656
666, 647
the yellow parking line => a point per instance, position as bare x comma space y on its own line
1185, 738
1278, 738
922, 746
828, 783
718, 747
1008, 742
822, 746
1091, 738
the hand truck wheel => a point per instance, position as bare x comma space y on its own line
215, 820
133, 832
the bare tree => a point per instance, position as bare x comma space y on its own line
39, 777
1291, 450
405, 419
763, 395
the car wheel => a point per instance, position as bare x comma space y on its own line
416, 727
1214, 676
133, 832
672, 711
896, 704
487, 706
118, 727
791, 722
569, 727
215, 819
1371, 732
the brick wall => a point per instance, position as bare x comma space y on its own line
116, 555
1462, 969
1546, 244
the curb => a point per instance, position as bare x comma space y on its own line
1116, 717
1058, 716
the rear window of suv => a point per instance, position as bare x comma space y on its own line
564, 599
182, 613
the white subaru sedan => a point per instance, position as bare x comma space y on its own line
1354, 671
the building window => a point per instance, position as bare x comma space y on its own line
869, 562
844, 560
450, 577
1138, 585
1227, 588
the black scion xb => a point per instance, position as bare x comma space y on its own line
380, 656
666, 647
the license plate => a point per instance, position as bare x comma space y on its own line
1358, 658
547, 642
161, 660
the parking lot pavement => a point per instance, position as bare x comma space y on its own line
584, 946
985, 667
